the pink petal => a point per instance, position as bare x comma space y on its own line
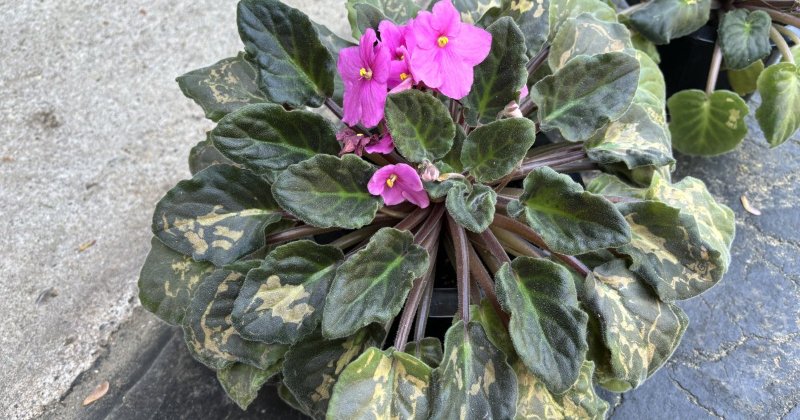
349, 64
392, 196
385, 145
397, 68
426, 68
373, 100
406, 85
423, 32
381, 64
377, 183
352, 103
420, 198
407, 177
392, 35
459, 76
523, 93
472, 45
367, 46
446, 19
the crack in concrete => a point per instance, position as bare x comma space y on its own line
693, 398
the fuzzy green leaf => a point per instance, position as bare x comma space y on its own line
486, 315
219, 215
168, 280
223, 87
651, 80
208, 330
707, 125
420, 125
492, 151
744, 37
282, 300
382, 385
745, 81
294, 67
663, 20
428, 350
562, 10
334, 44
587, 35
639, 331
474, 380
779, 112
266, 138
372, 285
203, 155
312, 366
547, 327
473, 207
586, 94
634, 140
398, 11
579, 402
327, 191
501, 76
241, 382
569, 220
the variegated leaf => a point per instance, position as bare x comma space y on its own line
663, 20
428, 350
474, 380
610, 185
242, 382
312, 366
579, 402
286, 396
379, 384
223, 87
639, 331
208, 330
473, 10
532, 17
587, 35
168, 280
372, 285
399, 11
281, 301
651, 79
569, 220
219, 215
562, 10
547, 327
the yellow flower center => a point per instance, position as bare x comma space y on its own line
442, 41
391, 180
403, 76
367, 74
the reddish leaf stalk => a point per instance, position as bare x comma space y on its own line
460, 245
484, 280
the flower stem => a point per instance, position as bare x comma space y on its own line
462, 266
538, 60
516, 245
788, 33
353, 238
493, 245
713, 71
296, 233
783, 47
334, 107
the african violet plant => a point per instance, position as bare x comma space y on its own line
301, 240
712, 122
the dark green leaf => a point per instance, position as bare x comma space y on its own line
367, 16
639, 331
290, 400
168, 281
382, 385
569, 220
241, 382
586, 94
437, 189
420, 125
334, 44
663, 20
492, 151
579, 402
473, 207
327, 191
312, 366
707, 125
372, 285
533, 18
745, 81
501, 76
266, 138
744, 37
486, 315
587, 35
219, 215
208, 330
474, 381
203, 155
429, 350
634, 140
547, 327
223, 87
294, 67
453, 157
282, 300
399, 11
779, 112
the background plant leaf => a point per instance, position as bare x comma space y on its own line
223, 87
779, 112
327, 191
372, 285
562, 10
547, 327
587, 93
219, 215
745, 81
386, 384
569, 220
294, 67
587, 35
473, 10
282, 300
420, 125
474, 380
579, 402
744, 37
663, 20
473, 207
399, 11
707, 125
492, 151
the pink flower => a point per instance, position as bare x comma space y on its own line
394, 38
365, 71
358, 143
383, 145
398, 183
445, 50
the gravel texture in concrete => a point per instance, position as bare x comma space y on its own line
93, 131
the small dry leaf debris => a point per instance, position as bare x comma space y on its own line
96, 393
86, 245
749, 208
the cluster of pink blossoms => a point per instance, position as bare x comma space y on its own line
436, 50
